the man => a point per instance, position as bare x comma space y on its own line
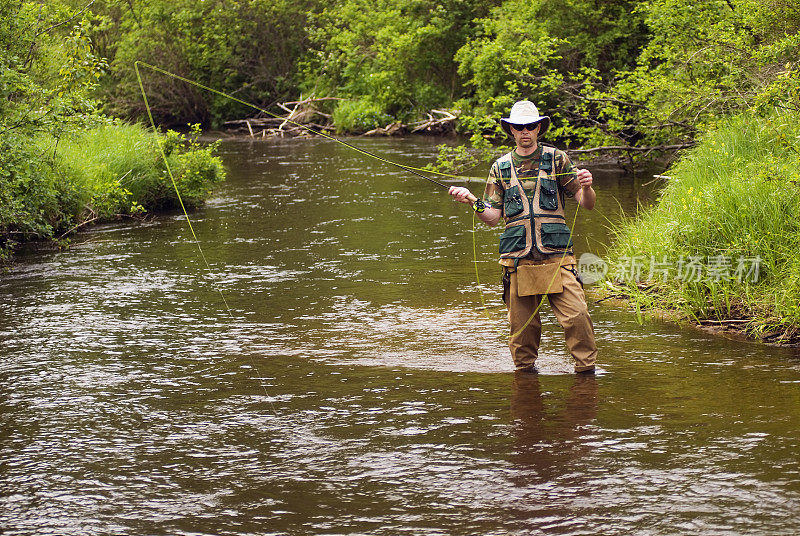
526, 189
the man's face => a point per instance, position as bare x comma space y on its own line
525, 138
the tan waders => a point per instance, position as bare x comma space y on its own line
569, 307
536, 252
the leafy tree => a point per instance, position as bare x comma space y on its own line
709, 59
624, 73
46, 82
561, 55
247, 47
62, 162
396, 55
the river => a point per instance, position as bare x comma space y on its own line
341, 369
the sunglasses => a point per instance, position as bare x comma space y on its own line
529, 126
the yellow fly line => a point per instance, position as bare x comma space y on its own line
175, 184
412, 169
288, 120
191, 227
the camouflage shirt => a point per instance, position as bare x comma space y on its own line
527, 169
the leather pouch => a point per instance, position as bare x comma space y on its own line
535, 279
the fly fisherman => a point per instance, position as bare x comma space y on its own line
526, 189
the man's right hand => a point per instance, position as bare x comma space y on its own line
462, 195
489, 216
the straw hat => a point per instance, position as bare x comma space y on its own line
523, 113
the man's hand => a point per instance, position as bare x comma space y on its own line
462, 195
490, 216
585, 196
584, 177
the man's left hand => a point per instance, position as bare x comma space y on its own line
584, 177
585, 196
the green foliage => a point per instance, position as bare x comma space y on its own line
195, 167
618, 72
120, 170
709, 59
62, 163
655, 72
34, 201
736, 195
358, 116
461, 158
559, 55
247, 47
398, 55
52, 185
46, 81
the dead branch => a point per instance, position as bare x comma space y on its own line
633, 149
313, 99
87, 6
442, 125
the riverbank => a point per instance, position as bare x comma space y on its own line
53, 187
719, 248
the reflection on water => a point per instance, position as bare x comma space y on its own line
361, 383
548, 431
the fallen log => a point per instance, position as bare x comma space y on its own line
392, 129
301, 114
611, 148
442, 125
437, 122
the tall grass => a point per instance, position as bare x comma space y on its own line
49, 187
731, 206
120, 169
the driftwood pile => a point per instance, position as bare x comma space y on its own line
304, 119
301, 116
443, 125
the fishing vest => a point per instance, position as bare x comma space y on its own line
535, 219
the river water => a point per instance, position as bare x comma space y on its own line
340, 370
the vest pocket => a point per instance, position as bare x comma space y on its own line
505, 169
512, 202
513, 239
548, 192
556, 236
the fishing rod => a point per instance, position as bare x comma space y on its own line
373, 155
478, 205
410, 169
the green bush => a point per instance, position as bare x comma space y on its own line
357, 116
62, 163
195, 169
51, 186
120, 169
399, 55
104, 164
34, 201
250, 48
